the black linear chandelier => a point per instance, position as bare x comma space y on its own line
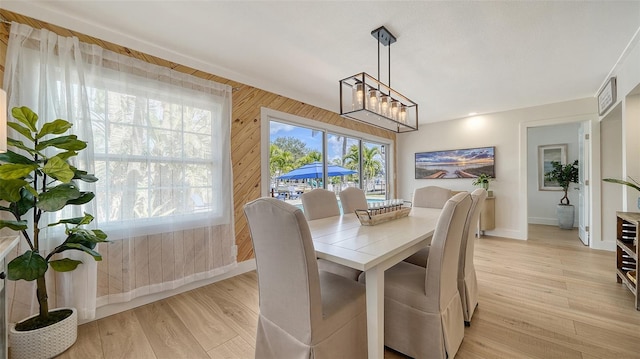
366, 99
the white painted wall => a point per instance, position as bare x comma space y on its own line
502, 130
619, 141
611, 167
631, 146
541, 205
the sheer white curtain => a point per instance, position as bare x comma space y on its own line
159, 142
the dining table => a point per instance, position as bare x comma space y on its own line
373, 249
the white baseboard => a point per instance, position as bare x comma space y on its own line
111, 309
603, 245
505, 233
545, 221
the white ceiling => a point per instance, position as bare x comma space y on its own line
451, 58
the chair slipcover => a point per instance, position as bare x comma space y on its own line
304, 313
428, 197
320, 203
353, 198
431, 197
422, 307
467, 281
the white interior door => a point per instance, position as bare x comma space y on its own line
583, 182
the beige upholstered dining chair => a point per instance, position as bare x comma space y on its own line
320, 203
304, 313
352, 198
422, 307
467, 281
428, 197
431, 197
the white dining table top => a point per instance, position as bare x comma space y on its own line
342, 239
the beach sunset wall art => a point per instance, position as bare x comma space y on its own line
465, 163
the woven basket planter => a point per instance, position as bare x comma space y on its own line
45, 342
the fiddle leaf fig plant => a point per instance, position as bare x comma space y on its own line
563, 175
34, 182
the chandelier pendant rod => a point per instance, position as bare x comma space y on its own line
379, 60
388, 61
389, 64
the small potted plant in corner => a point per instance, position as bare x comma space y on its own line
564, 175
34, 180
483, 180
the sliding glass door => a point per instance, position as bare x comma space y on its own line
299, 155
374, 170
343, 154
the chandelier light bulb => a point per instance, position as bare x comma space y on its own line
373, 100
359, 92
403, 114
394, 109
358, 95
384, 104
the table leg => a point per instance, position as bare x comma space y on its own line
375, 312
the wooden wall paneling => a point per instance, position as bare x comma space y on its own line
155, 258
115, 266
189, 252
217, 252
128, 266
103, 271
141, 261
199, 260
178, 255
208, 248
168, 258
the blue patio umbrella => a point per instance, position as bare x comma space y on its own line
315, 170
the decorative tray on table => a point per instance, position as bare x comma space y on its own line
383, 212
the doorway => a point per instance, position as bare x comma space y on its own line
571, 140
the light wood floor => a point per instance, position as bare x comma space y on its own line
548, 297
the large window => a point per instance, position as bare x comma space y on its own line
159, 142
156, 157
300, 150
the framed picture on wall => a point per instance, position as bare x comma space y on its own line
462, 163
546, 155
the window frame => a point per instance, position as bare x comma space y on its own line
123, 228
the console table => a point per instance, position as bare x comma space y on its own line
488, 215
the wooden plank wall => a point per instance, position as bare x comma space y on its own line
245, 129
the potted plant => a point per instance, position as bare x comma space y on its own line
483, 180
564, 175
36, 179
